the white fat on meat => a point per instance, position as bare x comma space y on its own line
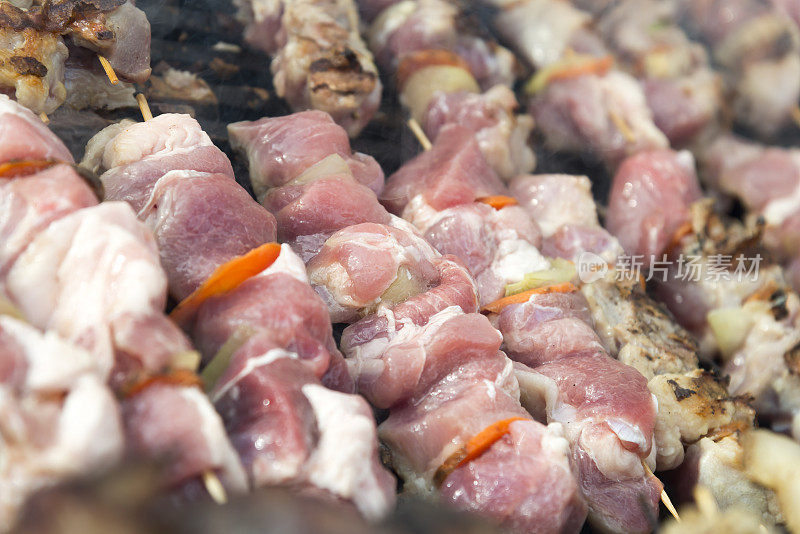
288, 263
779, 209
85, 270
335, 279
539, 29
52, 364
222, 454
177, 134
420, 214
514, 255
345, 461
515, 258
53, 437
399, 333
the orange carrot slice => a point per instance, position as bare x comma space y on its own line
498, 305
569, 68
427, 58
475, 447
176, 377
227, 277
15, 169
593, 66
498, 202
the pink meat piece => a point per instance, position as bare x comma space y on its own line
604, 391
289, 430
713, 20
650, 199
307, 214
23, 136
553, 200
420, 435
618, 505
683, 107
130, 53
575, 114
609, 418
547, 327
501, 136
178, 425
454, 287
279, 149
270, 422
479, 235
369, 9
202, 220
431, 25
134, 182
28, 205
453, 172
464, 345
359, 263
293, 317
563, 207
133, 157
523, 482
571, 241
754, 173
61, 279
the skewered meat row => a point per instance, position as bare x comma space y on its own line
671, 451
417, 348
755, 45
758, 358
692, 403
580, 102
284, 390
40, 38
419, 40
319, 60
684, 94
556, 360
61, 254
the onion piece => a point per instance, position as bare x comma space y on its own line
8, 308
730, 327
773, 460
560, 271
425, 83
327, 166
400, 290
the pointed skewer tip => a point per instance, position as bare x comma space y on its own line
112, 76
214, 487
419, 133
144, 107
664, 497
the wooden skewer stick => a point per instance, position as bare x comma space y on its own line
44, 117
420, 134
795, 112
664, 497
144, 107
214, 487
622, 126
112, 76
